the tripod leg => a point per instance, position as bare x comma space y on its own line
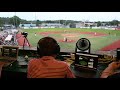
24, 43
28, 42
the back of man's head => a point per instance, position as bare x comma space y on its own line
48, 46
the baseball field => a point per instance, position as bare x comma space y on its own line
101, 39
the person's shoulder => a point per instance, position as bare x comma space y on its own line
33, 60
117, 75
62, 63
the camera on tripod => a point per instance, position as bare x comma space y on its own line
25, 39
25, 34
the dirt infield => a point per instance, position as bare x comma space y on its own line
68, 41
112, 46
47, 33
72, 35
68, 34
93, 33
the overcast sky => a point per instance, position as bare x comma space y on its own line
79, 16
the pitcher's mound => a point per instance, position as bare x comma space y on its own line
68, 41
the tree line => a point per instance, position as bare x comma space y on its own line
16, 21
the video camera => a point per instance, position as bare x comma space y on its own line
24, 33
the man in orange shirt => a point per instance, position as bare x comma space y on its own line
47, 66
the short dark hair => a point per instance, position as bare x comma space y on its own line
47, 46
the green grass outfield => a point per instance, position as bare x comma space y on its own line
96, 42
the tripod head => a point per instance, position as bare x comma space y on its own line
25, 34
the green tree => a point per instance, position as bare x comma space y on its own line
62, 21
37, 23
114, 22
23, 21
107, 23
15, 20
99, 23
1, 22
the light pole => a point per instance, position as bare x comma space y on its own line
15, 19
35, 19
